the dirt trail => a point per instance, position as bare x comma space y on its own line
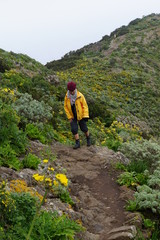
93, 182
99, 200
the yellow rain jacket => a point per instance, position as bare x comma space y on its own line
80, 104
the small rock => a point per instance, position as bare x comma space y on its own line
8, 174
122, 236
122, 159
123, 233
98, 228
27, 174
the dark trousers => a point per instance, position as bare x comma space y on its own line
82, 124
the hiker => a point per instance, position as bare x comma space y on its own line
76, 109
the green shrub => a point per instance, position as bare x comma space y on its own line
64, 195
17, 211
33, 132
37, 87
47, 132
142, 178
25, 208
148, 198
113, 144
3, 65
137, 166
9, 130
16, 207
32, 110
154, 179
8, 157
48, 226
148, 223
31, 161
131, 206
156, 232
148, 195
96, 109
120, 166
51, 226
132, 178
43, 132
68, 61
13, 79
146, 152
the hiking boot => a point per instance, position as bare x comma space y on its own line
77, 144
88, 141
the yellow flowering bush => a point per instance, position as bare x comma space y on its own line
49, 181
10, 73
21, 215
7, 95
6, 202
18, 205
38, 178
55, 182
118, 133
8, 90
126, 131
50, 168
62, 178
20, 186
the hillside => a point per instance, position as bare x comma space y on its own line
122, 71
39, 171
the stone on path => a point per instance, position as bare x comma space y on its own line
123, 233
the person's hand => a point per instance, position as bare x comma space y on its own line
70, 120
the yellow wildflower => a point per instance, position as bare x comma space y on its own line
45, 160
48, 180
35, 175
51, 168
8, 90
62, 178
5, 89
38, 177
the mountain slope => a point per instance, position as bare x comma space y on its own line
120, 72
119, 77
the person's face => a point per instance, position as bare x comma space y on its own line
72, 92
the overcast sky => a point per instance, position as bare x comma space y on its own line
48, 29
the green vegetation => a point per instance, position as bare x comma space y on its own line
119, 76
17, 211
31, 161
68, 61
142, 175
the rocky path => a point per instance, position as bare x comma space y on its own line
99, 200
93, 181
